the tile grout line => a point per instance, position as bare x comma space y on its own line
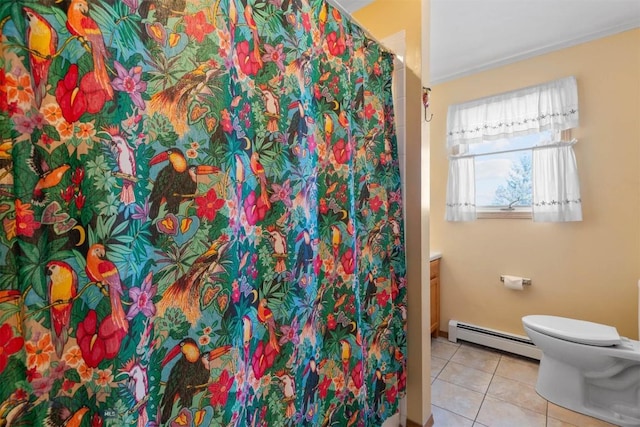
487, 391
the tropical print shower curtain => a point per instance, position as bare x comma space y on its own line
201, 212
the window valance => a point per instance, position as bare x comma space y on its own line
548, 106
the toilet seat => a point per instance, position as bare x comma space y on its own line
578, 331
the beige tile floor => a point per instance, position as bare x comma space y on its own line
472, 386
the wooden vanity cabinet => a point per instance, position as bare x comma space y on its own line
435, 297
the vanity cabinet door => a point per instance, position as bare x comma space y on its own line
435, 297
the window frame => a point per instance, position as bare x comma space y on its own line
497, 213
518, 212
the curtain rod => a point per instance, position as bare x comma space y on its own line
355, 21
514, 150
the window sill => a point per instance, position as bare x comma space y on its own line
500, 214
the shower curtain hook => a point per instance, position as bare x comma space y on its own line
425, 102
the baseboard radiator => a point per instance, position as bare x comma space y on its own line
511, 343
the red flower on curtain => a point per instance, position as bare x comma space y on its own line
98, 343
263, 358
4, 102
306, 22
78, 176
197, 26
317, 264
97, 421
323, 387
342, 151
32, 374
383, 298
26, 223
250, 62
76, 99
348, 263
80, 199
20, 394
9, 345
323, 206
376, 69
46, 139
209, 205
392, 393
357, 375
402, 380
369, 111
220, 389
394, 291
235, 293
227, 124
331, 322
336, 44
375, 204
67, 385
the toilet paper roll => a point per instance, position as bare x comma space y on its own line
513, 282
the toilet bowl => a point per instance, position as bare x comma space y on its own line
587, 367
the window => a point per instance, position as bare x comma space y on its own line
503, 175
510, 154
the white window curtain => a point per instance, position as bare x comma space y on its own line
556, 190
461, 190
548, 106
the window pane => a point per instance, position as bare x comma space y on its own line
503, 170
503, 180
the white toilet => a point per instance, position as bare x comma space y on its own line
588, 368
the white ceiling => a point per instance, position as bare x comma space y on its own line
468, 36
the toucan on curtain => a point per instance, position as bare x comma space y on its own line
201, 216
550, 106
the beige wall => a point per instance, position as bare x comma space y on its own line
384, 18
586, 270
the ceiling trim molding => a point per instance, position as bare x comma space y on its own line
535, 52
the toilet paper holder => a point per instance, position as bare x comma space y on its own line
525, 281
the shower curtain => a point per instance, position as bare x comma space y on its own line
201, 214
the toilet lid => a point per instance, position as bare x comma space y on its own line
579, 331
